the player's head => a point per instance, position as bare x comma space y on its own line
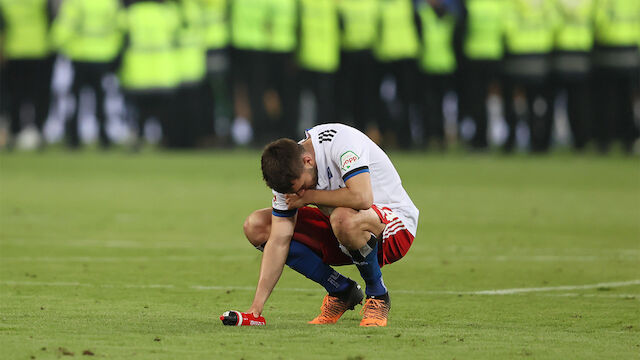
287, 167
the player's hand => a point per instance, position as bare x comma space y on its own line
297, 200
255, 311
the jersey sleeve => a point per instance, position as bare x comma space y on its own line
279, 206
351, 155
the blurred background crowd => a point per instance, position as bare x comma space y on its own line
514, 74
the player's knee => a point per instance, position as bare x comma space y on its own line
342, 222
256, 229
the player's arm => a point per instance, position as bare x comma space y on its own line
356, 195
273, 260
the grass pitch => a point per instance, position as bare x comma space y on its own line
136, 257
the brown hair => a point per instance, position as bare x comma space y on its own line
281, 164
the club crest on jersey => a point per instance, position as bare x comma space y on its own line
348, 159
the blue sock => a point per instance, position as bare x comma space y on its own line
370, 272
306, 262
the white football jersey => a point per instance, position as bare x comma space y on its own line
342, 152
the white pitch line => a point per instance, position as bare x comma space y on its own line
554, 288
622, 296
113, 259
397, 291
41, 283
151, 286
128, 286
241, 288
251, 288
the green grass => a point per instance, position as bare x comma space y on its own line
137, 256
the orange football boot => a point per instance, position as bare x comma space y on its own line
334, 306
376, 310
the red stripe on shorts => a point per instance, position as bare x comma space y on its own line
396, 239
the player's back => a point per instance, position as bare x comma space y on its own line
341, 149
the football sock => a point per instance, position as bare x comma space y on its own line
306, 262
366, 260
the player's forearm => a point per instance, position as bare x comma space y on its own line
344, 197
273, 260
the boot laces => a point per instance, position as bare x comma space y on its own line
374, 308
332, 307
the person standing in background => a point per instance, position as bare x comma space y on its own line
87, 32
572, 64
4, 107
437, 63
319, 54
529, 39
357, 88
617, 63
482, 50
281, 98
217, 100
396, 50
149, 73
250, 39
191, 66
26, 49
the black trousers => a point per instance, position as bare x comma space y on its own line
4, 90
184, 127
613, 108
144, 105
539, 120
283, 80
396, 118
88, 74
579, 106
29, 82
217, 98
357, 95
323, 87
249, 69
433, 88
476, 77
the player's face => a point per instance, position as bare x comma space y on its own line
308, 180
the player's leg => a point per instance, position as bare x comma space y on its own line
257, 227
71, 125
358, 231
344, 293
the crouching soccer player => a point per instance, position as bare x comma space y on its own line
363, 216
